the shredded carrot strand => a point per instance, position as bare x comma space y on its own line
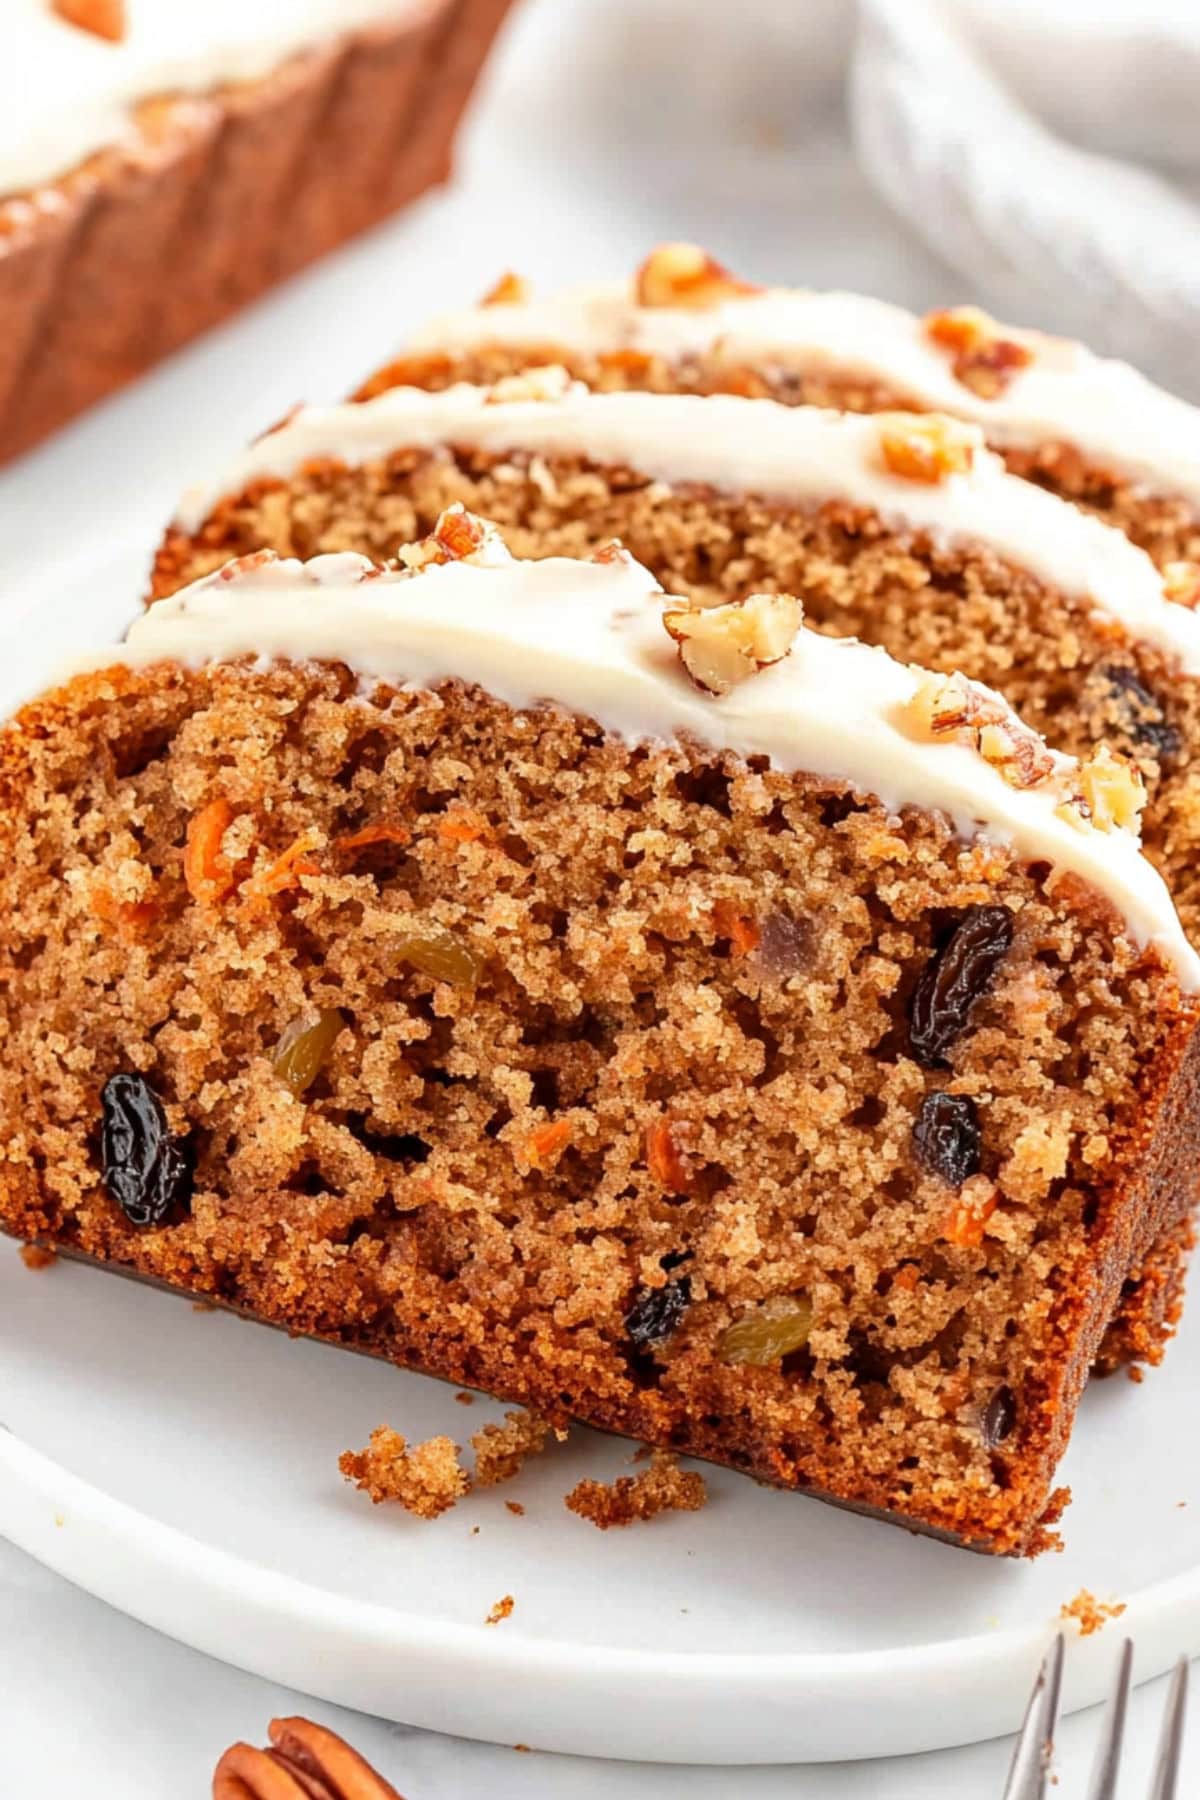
547, 1142
209, 876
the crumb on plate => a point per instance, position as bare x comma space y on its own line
500, 1450
661, 1487
425, 1478
1089, 1613
501, 1610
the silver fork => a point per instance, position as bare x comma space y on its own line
1031, 1759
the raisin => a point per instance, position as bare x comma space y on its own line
999, 1417
768, 1333
303, 1049
656, 1312
441, 955
958, 975
1139, 715
785, 946
946, 1135
146, 1170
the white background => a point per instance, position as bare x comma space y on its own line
602, 129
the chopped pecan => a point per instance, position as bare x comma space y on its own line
685, 275
509, 290
1111, 793
984, 359
952, 706
103, 18
1181, 583
304, 1762
458, 536
550, 381
721, 645
926, 446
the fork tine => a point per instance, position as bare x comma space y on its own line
1107, 1765
1031, 1758
1165, 1780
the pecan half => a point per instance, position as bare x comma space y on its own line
304, 1762
103, 18
984, 359
721, 645
685, 275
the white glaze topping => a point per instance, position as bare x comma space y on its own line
791, 453
589, 636
66, 93
1066, 394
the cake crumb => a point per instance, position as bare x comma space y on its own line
500, 1450
501, 1610
36, 1256
662, 1487
514, 1506
1089, 1613
425, 1478
465, 1399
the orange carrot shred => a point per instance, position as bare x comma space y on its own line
371, 834
665, 1159
284, 872
209, 876
965, 1224
742, 931
545, 1144
462, 826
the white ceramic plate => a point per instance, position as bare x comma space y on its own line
183, 1467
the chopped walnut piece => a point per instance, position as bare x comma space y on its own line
509, 290
951, 706
458, 536
549, 381
984, 359
662, 1487
501, 1610
926, 446
304, 1760
425, 1478
501, 1450
103, 18
1111, 791
1089, 1613
721, 645
685, 275
1181, 583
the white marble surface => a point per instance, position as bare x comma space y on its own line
597, 135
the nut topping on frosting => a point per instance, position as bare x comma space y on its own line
926, 446
1111, 793
721, 645
685, 275
458, 536
1181, 583
304, 1760
510, 290
548, 382
984, 359
950, 706
103, 18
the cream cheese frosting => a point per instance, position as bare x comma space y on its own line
1066, 394
590, 637
786, 453
66, 93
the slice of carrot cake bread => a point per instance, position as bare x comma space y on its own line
1094, 430
667, 1017
901, 530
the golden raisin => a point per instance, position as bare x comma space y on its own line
769, 1333
441, 955
304, 1048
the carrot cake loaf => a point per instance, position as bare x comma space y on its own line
662, 1016
1094, 430
161, 164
